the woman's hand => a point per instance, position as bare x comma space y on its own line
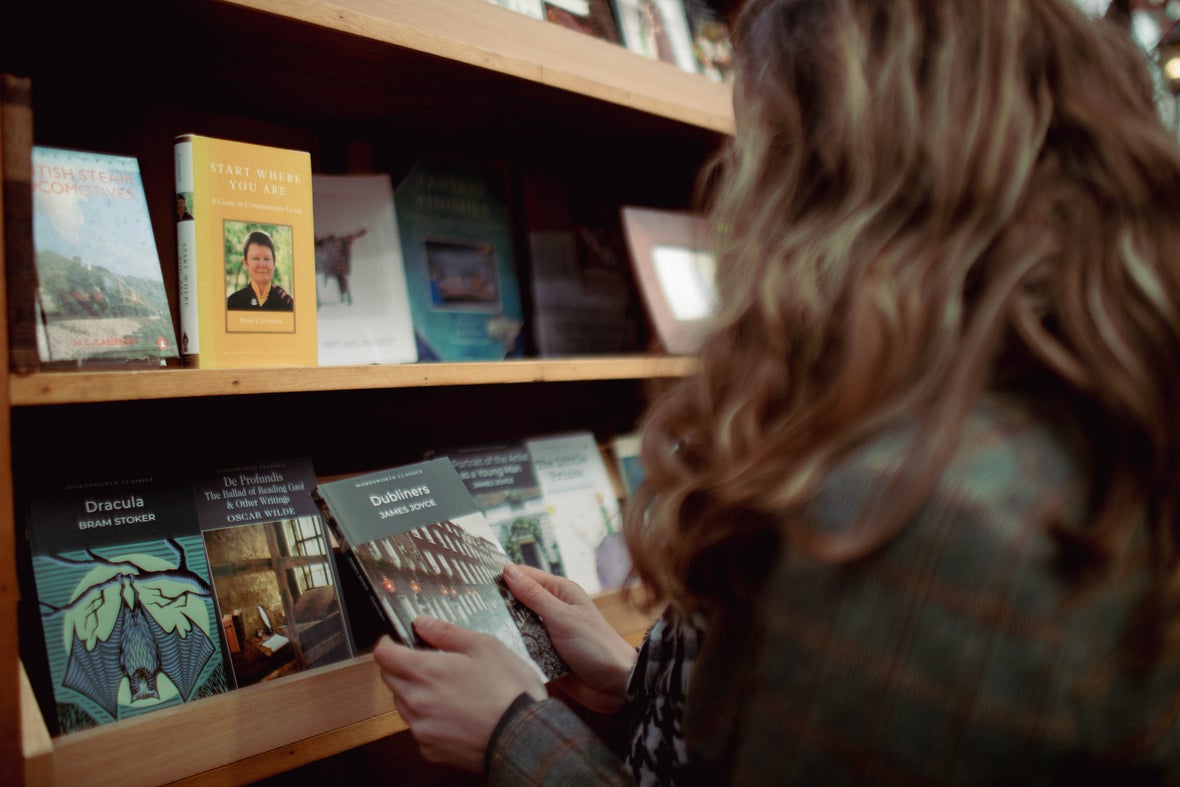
600, 660
452, 698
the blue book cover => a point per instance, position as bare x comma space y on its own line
456, 235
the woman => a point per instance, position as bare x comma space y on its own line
258, 258
920, 505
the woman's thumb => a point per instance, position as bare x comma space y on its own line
443, 635
530, 592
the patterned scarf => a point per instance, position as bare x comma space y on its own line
656, 690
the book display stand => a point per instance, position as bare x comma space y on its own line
364, 87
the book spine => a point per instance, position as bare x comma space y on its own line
16, 146
186, 251
354, 564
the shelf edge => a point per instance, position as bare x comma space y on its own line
80, 387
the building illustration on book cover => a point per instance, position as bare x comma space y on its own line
101, 289
246, 251
126, 603
421, 546
502, 481
274, 577
457, 250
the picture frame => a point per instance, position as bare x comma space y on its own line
675, 266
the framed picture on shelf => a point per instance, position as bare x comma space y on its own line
672, 252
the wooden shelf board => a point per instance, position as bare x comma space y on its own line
76, 387
478, 33
246, 734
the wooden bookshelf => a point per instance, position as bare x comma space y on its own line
361, 84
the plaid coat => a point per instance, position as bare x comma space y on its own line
959, 653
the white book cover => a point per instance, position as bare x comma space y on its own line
578, 489
657, 29
533, 8
363, 310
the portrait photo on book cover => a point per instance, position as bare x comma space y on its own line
463, 276
259, 276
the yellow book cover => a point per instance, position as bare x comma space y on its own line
246, 248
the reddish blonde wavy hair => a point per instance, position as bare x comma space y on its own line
924, 200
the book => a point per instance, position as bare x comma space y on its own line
16, 148
125, 597
672, 253
592, 17
100, 286
533, 8
274, 577
585, 508
363, 307
711, 41
419, 543
273, 644
247, 255
657, 29
584, 298
625, 448
501, 478
457, 248
232, 641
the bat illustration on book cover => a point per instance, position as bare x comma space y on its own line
134, 617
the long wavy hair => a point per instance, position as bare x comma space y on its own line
924, 200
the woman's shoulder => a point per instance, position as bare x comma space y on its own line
1007, 465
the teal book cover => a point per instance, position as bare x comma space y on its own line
456, 234
125, 598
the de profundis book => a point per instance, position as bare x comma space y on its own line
274, 577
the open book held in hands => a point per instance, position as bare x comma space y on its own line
421, 546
